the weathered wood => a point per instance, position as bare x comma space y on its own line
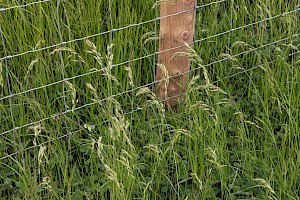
175, 31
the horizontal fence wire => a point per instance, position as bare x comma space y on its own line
133, 111
149, 55
129, 61
22, 6
146, 85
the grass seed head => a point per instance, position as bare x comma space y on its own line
94, 92
150, 36
31, 65
89, 127
162, 2
37, 130
46, 183
73, 93
130, 77
93, 50
41, 154
265, 184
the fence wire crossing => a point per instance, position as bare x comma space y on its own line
111, 32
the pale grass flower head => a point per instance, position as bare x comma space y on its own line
37, 130
30, 67
46, 183
41, 154
94, 93
265, 184
149, 36
130, 76
155, 149
112, 176
73, 94
89, 127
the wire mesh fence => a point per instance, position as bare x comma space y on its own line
45, 73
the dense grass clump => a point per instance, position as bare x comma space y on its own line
79, 123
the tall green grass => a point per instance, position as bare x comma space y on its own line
236, 135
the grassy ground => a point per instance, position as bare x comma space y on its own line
236, 136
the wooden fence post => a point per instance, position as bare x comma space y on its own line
175, 31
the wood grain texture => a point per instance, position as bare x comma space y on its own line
175, 31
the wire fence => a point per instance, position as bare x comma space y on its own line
133, 111
113, 30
